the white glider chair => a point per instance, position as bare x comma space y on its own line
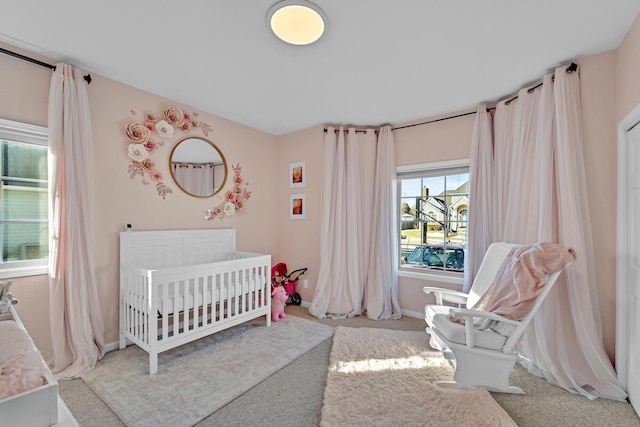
447, 298
481, 357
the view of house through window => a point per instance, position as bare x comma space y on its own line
24, 225
433, 218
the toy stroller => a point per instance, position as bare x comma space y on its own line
279, 277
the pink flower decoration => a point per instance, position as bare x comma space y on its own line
164, 129
151, 145
235, 199
148, 165
174, 116
141, 146
137, 133
137, 152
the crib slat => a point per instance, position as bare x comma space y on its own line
236, 292
197, 302
164, 296
139, 308
206, 299
176, 310
150, 317
224, 297
129, 306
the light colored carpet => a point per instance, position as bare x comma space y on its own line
198, 378
379, 377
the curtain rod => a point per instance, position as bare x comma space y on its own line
40, 63
570, 69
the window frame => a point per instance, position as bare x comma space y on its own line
435, 168
31, 134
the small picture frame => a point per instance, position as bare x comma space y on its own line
297, 175
297, 206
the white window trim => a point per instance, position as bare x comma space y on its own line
33, 134
434, 165
431, 275
34, 267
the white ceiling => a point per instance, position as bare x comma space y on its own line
381, 61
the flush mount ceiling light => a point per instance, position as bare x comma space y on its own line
297, 22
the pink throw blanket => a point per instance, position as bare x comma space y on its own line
521, 278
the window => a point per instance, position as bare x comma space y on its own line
24, 199
433, 201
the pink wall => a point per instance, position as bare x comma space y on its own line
119, 200
628, 70
299, 240
600, 157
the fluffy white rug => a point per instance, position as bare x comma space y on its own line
379, 377
196, 379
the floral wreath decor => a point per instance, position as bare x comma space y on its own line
143, 142
235, 199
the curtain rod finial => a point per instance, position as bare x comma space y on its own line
88, 78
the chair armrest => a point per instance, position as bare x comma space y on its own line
469, 315
448, 295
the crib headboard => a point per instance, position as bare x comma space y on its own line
168, 248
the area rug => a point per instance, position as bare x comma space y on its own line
379, 377
198, 378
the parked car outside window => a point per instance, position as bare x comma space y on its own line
437, 256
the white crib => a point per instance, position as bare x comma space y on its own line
177, 286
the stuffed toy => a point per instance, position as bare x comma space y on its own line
278, 298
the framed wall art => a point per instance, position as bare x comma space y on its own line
297, 175
297, 206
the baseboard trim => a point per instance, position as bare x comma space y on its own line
407, 313
410, 313
112, 346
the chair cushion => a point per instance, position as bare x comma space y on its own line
431, 310
455, 332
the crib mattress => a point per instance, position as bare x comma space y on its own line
165, 305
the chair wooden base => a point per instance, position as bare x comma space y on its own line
475, 367
453, 384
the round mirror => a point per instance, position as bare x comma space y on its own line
198, 167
